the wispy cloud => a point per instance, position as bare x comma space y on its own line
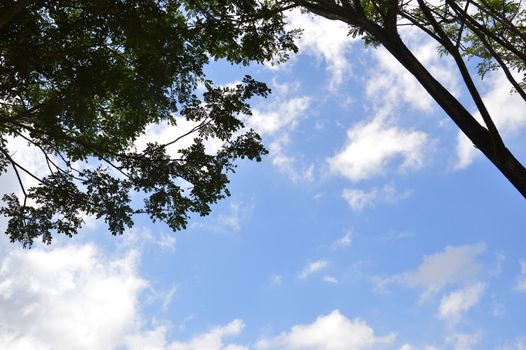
460, 301
332, 49
330, 279
507, 110
138, 237
463, 341
521, 279
313, 267
287, 163
359, 199
231, 220
276, 280
343, 242
454, 265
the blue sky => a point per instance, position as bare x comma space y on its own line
370, 225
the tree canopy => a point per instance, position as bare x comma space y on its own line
81, 81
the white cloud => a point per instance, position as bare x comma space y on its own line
164, 297
138, 237
466, 151
458, 302
343, 242
288, 164
330, 279
330, 332
521, 279
507, 111
164, 132
213, 339
229, 221
463, 341
372, 146
410, 347
359, 199
29, 157
278, 115
232, 220
76, 297
333, 48
276, 120
70, 297
452, 266
390, 84
312, 268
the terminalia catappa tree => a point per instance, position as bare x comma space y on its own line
80, 81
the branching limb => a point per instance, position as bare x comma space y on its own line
498, 144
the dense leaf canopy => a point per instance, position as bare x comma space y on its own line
82, 80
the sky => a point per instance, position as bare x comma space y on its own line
372, 224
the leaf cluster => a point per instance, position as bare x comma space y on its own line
81, 81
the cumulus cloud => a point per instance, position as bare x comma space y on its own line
372, 146
278, 115
326, 40
76, 297
458, 302
213, 339
330, 332
70, 297
507, 111
312, 268
456, 264
359, 199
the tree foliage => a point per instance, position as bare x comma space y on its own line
491, 31
82, 80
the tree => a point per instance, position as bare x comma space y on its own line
491, 31
82, 80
